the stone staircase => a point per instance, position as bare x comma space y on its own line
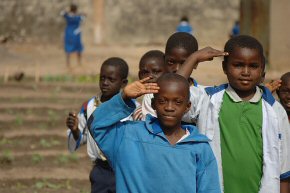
33, 142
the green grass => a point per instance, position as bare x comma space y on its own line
36, 158
6, 157
64, 159
49, 143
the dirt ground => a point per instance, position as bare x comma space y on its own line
33, 146
49, 60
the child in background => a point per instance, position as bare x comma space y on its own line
184, 25
151, 65
179, 47
284, 92
284, 95
72, 36
247, 127
113, 77
160, 154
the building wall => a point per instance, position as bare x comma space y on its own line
280, 35
124, 22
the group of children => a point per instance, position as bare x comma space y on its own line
185, 137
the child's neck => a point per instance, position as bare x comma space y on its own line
246, 95
174, 134
104, 99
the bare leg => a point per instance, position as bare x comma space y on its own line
79, 56
67, 60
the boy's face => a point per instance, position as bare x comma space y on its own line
244, 70
110, 81
171, 103
153, 67
175, 58
284, 95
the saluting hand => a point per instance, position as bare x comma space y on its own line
139, 88
208, 53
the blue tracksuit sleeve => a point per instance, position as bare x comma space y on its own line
207, 178
105, 125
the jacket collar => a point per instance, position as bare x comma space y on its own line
153, 126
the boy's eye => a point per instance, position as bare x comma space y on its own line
254, 66
178, 102
156, 72
112, 79
284, 91
238, 65
170, 62
161, 101
144, 72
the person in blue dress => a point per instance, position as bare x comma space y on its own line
235, 30
72, 36
184, 25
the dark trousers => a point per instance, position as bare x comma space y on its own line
102, 178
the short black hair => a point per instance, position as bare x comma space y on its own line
285, 77
73, 8
152, 54
173, 77
244, 41
183, 40
184, 18
120, 63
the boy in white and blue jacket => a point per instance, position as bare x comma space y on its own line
248, 129
160, 154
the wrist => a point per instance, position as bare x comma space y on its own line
123, 95
76, 134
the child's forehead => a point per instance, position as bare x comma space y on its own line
110, 69
173, 86
238, 49
159, 61
177, 51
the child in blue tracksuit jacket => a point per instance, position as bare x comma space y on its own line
159, 154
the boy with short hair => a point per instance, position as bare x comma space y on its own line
246, 125
151, 65
113, 77
283, 93
160, 154
179, 47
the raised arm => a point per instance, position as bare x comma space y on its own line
205, 54
104, 124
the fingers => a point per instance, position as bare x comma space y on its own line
71, 120
273, 85
72, 114
217, 53
145, 79
151, 88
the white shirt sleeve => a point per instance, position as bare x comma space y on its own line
146, 106
285, 140
197, 97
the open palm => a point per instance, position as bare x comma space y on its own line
139, 88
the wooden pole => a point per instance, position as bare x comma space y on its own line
98, 15
255, 21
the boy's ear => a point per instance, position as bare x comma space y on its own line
153, 103
187, 107
124, 82
263, 75
224, 67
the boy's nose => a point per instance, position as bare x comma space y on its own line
169, 107
246, 71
